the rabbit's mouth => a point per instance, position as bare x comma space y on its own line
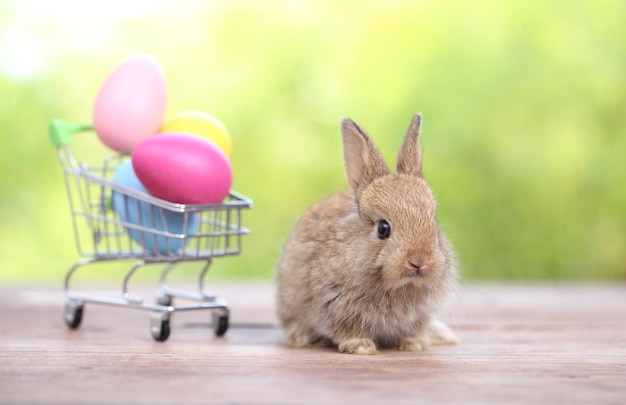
410, 276
418, 281
416, 271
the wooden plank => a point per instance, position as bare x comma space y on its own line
521, 344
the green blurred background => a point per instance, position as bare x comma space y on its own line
524, 106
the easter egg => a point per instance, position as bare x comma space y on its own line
131, 103
142, 213
202, 124
183, 168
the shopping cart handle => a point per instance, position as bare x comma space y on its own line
60, 132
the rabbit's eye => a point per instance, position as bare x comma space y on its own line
384, 229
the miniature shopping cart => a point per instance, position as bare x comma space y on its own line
159, 232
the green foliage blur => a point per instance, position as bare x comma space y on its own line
524, 107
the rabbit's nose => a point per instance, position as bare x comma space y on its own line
416, 268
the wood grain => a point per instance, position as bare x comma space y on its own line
521, 344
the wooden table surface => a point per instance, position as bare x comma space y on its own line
557, 344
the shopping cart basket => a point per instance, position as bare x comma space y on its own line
145, 231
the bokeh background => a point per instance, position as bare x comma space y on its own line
524, 106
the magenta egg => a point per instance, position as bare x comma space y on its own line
131, 103
183, 168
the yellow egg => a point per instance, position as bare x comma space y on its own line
201, 124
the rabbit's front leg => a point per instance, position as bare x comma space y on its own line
357, 346
352, 338
413, 344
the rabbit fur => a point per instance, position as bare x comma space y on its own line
369, 267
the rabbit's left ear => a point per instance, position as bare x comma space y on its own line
410, 155
363, 161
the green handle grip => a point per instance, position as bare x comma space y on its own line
60, 132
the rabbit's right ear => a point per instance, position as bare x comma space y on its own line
363, 160
410, 155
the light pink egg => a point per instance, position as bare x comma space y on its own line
183, 168
131, 103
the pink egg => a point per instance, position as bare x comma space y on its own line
131, 103
183, 168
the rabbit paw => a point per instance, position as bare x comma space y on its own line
434, 333
440, 334
412, 345
358, 346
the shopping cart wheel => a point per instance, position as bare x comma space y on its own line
163, 333
220, 321
73, 313
160, 326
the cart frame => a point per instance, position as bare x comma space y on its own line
146, 230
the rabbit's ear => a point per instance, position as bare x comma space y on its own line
410, 155
362, 159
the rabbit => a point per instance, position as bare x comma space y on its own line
369, 267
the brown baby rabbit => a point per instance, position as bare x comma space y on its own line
368, 268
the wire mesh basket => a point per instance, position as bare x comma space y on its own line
115, 222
